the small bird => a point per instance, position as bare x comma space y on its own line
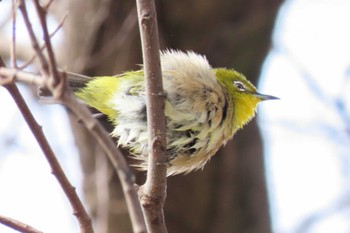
204, 107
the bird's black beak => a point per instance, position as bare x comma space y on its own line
263, 97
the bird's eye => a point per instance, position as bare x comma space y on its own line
240, 86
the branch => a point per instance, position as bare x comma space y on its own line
81, 111
43, 62
117, 159
43, 46
56, 82
9, 75
17, 225
78, 208
42, 11
153, 192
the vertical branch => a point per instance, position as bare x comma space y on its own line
153, 192
55, 78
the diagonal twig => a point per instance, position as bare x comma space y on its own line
78, 208
17, 225
56, 83
43, 62
43, 46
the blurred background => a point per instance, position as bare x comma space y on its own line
286, 172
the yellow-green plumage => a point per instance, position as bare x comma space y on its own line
204, 107
98, 92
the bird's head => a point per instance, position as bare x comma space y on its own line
242, 94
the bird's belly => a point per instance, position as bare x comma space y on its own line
192, 137
185, 151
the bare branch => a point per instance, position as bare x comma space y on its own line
56, 83
43, 62
17, 225
117, 159
9, 75
23, 51
54, 78
59, 26
47, 5
43, 46
78, 208
125, 174
153, 192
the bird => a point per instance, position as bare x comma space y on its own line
204, 108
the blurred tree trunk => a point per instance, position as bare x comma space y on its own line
101, 38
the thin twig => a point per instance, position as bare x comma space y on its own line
47, 5
59, 26
17, 225
56, 83
54, 78
117, 159
153, 192
119, 163
78, 208
43, 46
43, 62
9, 75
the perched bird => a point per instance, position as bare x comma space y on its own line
204, 107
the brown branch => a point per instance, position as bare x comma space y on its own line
17, 225
78, 208
23, 52
117, 159
59, 26
153, 192
56, 83
43, 46
9, 75
54, 78
81, 111
43, 62
47, 5
64, 94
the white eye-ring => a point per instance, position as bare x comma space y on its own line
240, 86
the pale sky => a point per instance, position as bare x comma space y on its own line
308, 139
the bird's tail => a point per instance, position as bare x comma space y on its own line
75, 81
